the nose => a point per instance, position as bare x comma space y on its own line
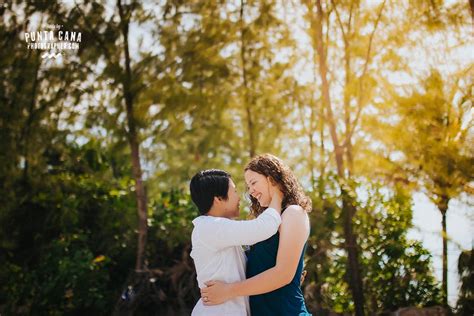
251, 190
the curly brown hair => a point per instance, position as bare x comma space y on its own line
271, 166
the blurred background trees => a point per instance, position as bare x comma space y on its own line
368, 101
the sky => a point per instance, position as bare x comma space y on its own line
426, 217
460, 231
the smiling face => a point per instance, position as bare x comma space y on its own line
258, 187
229, 207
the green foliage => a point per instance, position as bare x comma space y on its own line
214, 82
320, 263
397, 272
68, 279
170, 226
465, 303
170, 221
69, 235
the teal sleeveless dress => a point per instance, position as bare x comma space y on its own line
285, 301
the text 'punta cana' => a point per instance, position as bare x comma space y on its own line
41, 36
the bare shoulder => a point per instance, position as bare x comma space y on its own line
295, 221
294, 211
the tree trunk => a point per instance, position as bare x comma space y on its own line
348, 209
347, 94
308, 130
443, 208
134, 143
247, 103
471, 3
322, 155
347, 107
25, 135
311, 157
353, 272
319, 109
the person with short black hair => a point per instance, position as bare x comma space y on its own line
274, 266
217, 238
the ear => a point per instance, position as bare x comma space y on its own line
270, 180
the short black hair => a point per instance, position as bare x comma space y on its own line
207, 184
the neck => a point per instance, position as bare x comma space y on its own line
214, 212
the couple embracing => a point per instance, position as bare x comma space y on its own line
264, 280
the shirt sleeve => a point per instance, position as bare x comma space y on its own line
223, 232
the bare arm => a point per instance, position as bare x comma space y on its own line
223, 232
226, 232
294, 232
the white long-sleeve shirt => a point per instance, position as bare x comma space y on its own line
218, 255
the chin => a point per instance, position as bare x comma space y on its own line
265, 204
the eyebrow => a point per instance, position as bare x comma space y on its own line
250, 180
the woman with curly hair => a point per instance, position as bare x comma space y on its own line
275, 265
